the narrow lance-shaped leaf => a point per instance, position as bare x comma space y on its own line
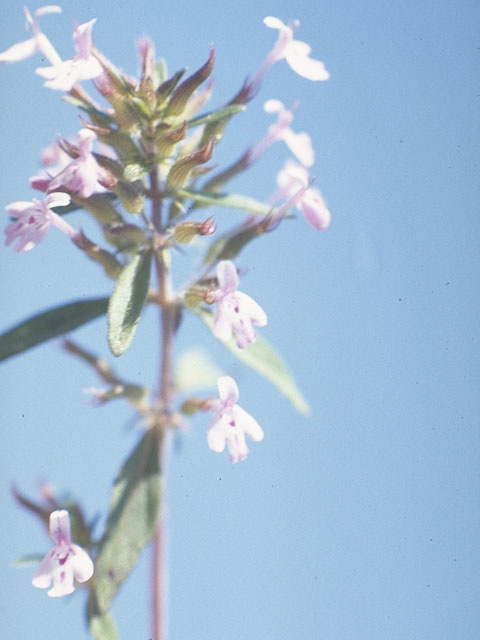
126, 302
131, 521
50, 324
263, 358
230, 201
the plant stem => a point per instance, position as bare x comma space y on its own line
159, 562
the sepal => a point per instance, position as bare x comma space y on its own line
181, 171
182, 93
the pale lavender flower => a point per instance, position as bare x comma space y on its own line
34, 219
230, 423
235, 311
39, 43
293, 181
64, 562
300, 144
83, 66
295, 52
82, 174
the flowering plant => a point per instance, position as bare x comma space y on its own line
139, 168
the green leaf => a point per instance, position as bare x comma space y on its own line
131, 521
102, 626
126, 302
50, 324
231, 201
263, 358
214, 116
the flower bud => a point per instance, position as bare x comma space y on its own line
186, 231
166, 141
180, 172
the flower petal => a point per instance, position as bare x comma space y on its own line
300, 144
42, 577
297, 56
15, 209
222, 325
19, 51
227, 276
57, 199
82, 38
49, 8
62, 582
60, 527
227, 390
237, 446
216, 439
315, 210
248, 424
274, 23
81, 563
251, 309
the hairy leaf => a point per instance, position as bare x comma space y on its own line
131, 520
126, 302
263, 358
50, 324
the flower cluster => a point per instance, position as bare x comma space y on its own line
140, 167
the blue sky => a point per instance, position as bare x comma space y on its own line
360, 522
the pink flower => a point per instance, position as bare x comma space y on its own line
235, 312
39, 43
82, 174
34, 219
293, 181
230, 423
64, 562
299, 144
84, 66
295, 52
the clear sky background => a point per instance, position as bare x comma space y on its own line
361, 522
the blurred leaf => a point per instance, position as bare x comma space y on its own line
102, 627
126, 302
98, 199
214, 116
263, 358
228, 246
95, 113
131, 521
195, 370
231, 201
26, 561
50, 324
130, 193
